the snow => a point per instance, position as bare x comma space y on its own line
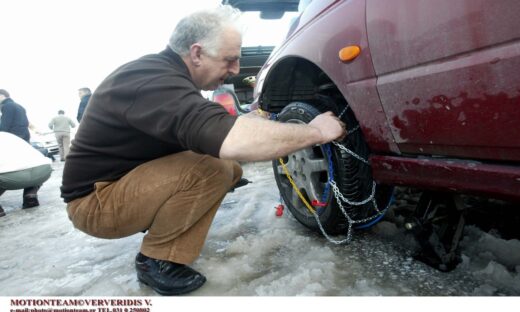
249, 252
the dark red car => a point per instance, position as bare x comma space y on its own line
430, 91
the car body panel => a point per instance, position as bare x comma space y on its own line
436, 88
449, 76
406, 33
311, 12
342, 25
464, 176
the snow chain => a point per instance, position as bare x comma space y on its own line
337, 194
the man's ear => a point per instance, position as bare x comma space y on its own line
195, 54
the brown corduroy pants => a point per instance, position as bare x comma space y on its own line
175, 197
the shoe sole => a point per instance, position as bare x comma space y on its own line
172, 292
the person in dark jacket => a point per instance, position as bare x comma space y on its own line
153, 155
84, 95
14, 120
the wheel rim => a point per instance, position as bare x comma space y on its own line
309, 170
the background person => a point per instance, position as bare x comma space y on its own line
84, 96
22, 168
14, 120
61, 125
153, 154
45, 152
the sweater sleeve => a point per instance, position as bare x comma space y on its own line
173, 110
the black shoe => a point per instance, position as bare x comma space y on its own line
167, 278
30, 201
240, 183
2, 212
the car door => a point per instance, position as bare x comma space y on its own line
449, 75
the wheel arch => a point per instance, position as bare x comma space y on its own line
296, 79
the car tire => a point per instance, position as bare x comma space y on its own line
310, 169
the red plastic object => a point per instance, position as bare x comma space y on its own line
279, 210
317, 203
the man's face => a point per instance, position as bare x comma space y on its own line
215, 69
2, 98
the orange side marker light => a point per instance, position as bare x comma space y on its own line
349, 53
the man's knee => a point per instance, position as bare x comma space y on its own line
224, 172
88, 218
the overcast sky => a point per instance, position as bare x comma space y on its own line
51, 48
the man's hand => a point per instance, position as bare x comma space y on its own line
330, 126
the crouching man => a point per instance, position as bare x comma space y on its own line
22, 167
152, 154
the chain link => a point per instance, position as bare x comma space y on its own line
340, 196
346, 150
356, 128
330, 239
343, 111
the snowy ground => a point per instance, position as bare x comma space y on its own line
249, 252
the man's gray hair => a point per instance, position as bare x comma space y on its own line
203, 27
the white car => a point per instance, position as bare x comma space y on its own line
45, 143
